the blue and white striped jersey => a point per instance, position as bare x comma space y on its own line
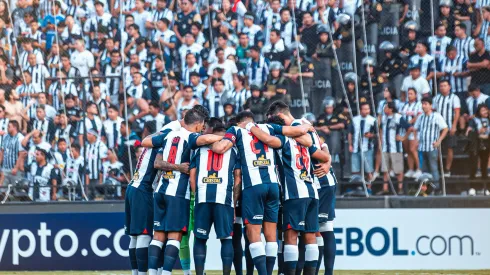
145, 173
446, 105
362, 125
296, 170
472, 103
256, 158
176, 149
391, 127
464, 46
438, 45
214, 177
327, 180
381, 106
425, 62
429, 129
451, 66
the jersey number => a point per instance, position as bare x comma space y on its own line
302, 155
254, 141
215, 161
173, 150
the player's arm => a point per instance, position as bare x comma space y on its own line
192, 180
201, 140
266, 138
154, 140
237, 188
225, 144
322, 168
296, 131
160, 164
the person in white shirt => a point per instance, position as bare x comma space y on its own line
112, 126
190, 46
250, 28
101, 18
39, 73
222, 43
416, 81
228, 66
82, 59
141, 16
165, 36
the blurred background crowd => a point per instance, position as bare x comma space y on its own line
397, 88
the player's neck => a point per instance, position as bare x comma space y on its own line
288, 119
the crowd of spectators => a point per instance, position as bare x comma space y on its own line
82, 82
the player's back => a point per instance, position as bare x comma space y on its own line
175, 150
145, 174
296, 165
214, 177
256, 158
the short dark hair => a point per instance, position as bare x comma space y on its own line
113, 107
427, 100
154, 104
278, 107
473, 87
240, 117
450, 48
193, 116
216, 124
2, 107
15, 123
444, 80
391, 105
202, 110
276, 31
76, 147
61, 140
364, 104
462, 26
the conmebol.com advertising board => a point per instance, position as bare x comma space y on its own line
366, 239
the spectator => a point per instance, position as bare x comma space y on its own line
476, 98
112, 127
410, 111
43, 124
417, 81
478, 67
391, 125
478, 131
449, 106
215, 97
4, 122
250, 29
64, 130
438, 43
95, 153
361, 138
82, 59
43, 177
75, 168
156, 116
113, 175
13, 106
276, 49
431, 129
453, 69
12, 155
464, 44
258, 65
240, 94
256, 103
39, 73
424, 60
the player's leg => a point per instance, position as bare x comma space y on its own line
223, 226
320, 243
176, 223
132, 255
127, 226
202, 225
159, 236
253, 215
311, 247
326, 227
294, 212
248, 257
185, 254
237, 240
301, 254
280, 242
142, 243
271, 212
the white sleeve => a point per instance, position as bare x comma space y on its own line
39, 58
103, 150
417, 124
404, 84
440, 122
457, 103
425, 87
90, 61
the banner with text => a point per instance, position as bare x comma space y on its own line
367, 239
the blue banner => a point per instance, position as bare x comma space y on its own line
68, 241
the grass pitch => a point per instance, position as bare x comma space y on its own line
343, 272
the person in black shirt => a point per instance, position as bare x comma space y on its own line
478, 66
376, 79
446, 17
393, 67
72, 112
324, 48
309, 35
407, 49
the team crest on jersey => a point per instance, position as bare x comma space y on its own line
261, 161
304, 176
168, 175
136, 175
212, 179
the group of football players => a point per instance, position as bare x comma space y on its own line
272, 178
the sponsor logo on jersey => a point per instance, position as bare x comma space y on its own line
156, 223
301, 223
304, 176
136, 176
212, 179
323, 215
261, 161
258, 217
168, 175
201, 231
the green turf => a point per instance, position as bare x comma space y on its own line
344, 272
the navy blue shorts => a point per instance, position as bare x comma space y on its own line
301, 215
326, 209
139, 212
261, 203
207, 214
171, 213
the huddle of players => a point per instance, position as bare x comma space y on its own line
249, 170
